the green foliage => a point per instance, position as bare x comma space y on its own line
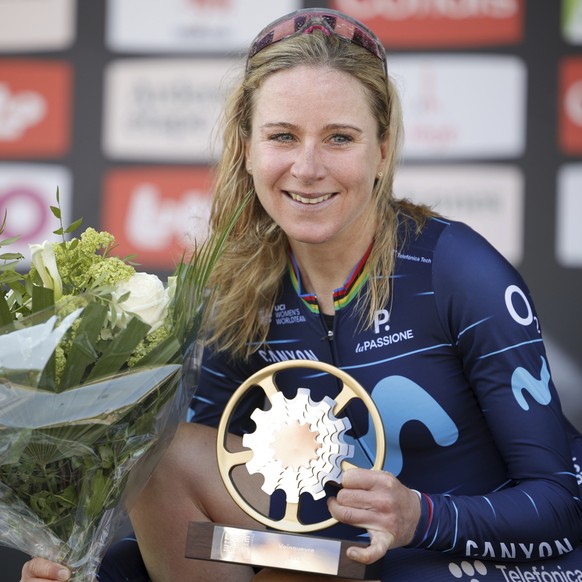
88, 389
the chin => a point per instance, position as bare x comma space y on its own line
307, 234
309, 240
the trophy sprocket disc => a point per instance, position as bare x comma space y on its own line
298, 445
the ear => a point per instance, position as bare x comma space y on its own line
248, 163
384, 149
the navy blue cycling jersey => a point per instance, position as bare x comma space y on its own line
457, 368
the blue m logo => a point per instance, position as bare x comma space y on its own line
522, 381
400, 400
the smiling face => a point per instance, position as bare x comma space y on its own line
314, 155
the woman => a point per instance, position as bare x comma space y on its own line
326, 264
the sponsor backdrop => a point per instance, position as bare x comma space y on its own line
116, 102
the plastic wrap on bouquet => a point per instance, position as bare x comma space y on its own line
72, 458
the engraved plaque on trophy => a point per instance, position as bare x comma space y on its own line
298, 447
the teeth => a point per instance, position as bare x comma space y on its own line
299, 198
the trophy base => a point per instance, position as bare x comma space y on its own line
274, 549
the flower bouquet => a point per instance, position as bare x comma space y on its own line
92, 355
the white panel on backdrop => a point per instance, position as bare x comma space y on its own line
568, 213
30, 25
489, 198
572, 21
164, 109
189, 25
26, 193
462, 106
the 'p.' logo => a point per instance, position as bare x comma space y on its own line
381, 317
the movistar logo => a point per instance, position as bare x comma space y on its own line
539, 389
400, 400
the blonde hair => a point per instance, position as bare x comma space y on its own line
249, 273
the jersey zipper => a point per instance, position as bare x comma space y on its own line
329, 337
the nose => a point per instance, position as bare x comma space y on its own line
308, 165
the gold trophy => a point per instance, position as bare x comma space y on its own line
298, 446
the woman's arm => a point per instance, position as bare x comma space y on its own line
488, 312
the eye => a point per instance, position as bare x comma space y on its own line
341, 138
282, 137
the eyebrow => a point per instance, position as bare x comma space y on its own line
286, 125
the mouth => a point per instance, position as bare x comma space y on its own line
309, 199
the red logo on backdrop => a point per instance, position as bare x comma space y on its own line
156, 213
439, 23
570, 115
35, 108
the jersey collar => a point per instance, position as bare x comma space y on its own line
343, 295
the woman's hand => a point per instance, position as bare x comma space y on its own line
41, 570
378, 502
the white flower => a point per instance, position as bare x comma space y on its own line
147, 299
43, 259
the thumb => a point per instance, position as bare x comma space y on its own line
380, 543
39, 568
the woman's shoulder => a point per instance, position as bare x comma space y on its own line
455, 253
442, 236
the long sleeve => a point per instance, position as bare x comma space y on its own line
488, 313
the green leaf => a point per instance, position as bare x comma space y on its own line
119, 349
15, 281
56, 211
165, 352
7, 269
42, 298
69, 497
83, 351
5, 317
74, 226
9, 240
96, 494
11, 256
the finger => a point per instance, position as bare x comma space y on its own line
41, 569
364, 478
380, 543
360, 498
363, 518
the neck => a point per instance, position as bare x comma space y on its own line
323, 270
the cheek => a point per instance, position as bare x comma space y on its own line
269, 166
264, 185
267, 203
354, 174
